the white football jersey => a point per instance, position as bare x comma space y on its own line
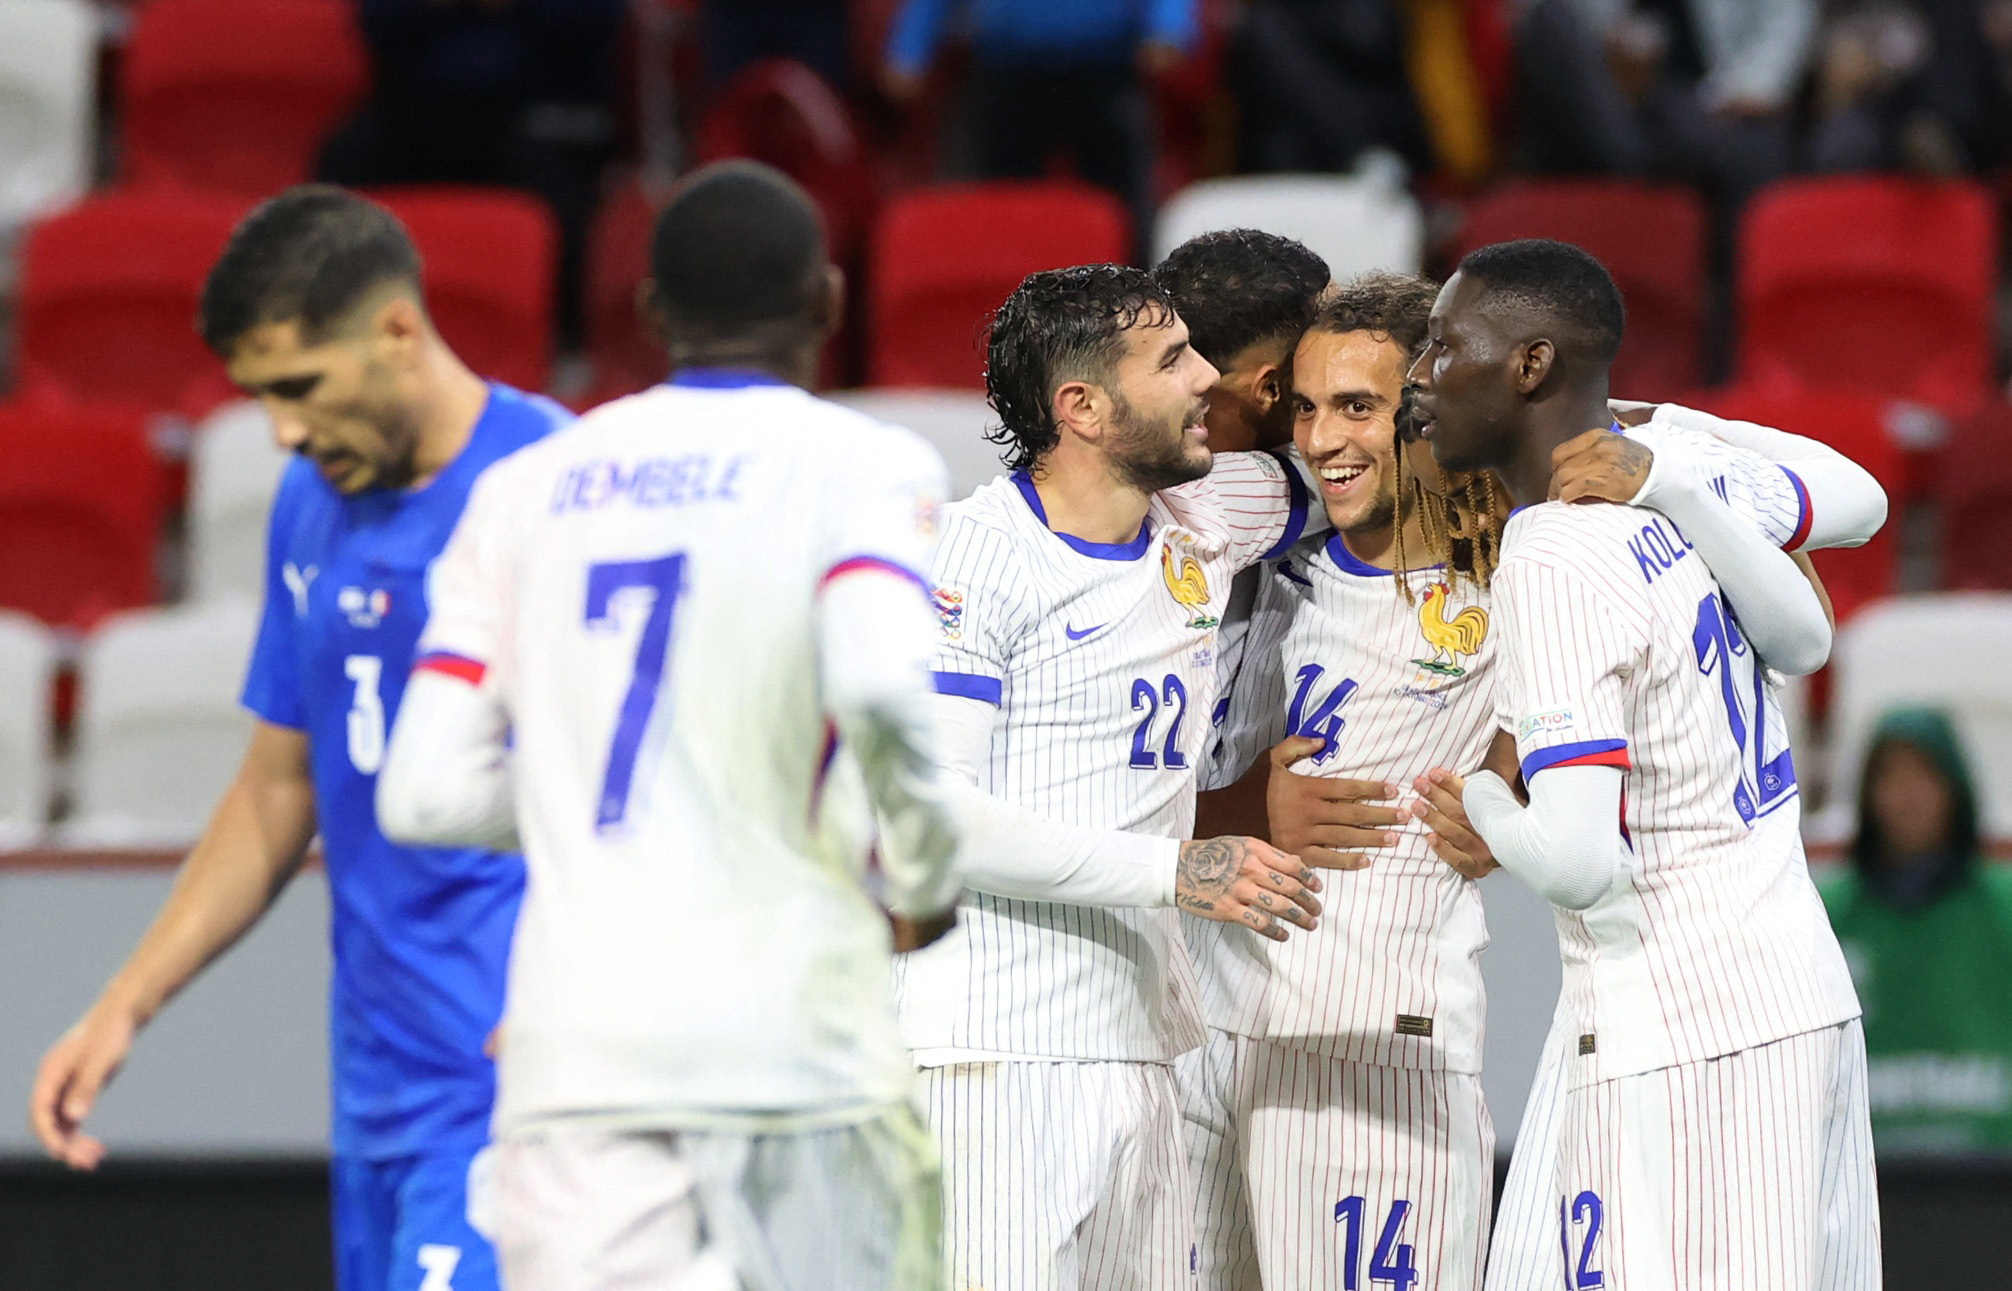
1102, 660
1398, 687
1616, 648
697, 937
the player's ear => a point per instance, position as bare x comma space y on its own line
1075, 406
829, 307
1268, 386
399, 325
1534, 364
650, 312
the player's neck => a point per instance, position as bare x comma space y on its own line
1084, 500
797, 365
451, 404
1378, 545
1551, 423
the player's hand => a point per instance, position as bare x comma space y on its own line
1246, 881
1453, 836
1599, 466
914, 934
73, 1072
1325, 821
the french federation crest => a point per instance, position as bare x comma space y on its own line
950, 612
1449, 638
1189, 587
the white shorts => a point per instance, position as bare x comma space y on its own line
1062, 1175
1306, 1165
1525, 1253
1750, 1170
579, 1208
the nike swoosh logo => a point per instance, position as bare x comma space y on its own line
1074, 635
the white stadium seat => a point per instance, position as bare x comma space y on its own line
28, 659
953, 421
159, 728
234, 472
48, 99
1944, 651
1356, 223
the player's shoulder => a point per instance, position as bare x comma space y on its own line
860, 438
1591, 538
522, 417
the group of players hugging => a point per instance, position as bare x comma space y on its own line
1166, 765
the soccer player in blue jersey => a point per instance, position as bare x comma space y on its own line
316, 309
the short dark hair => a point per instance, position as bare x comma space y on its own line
1238, 287
1562, 285
1060, 325
739, 248
1396, 305
310, 255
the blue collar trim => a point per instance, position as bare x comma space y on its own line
1094, 550
724, 378
1350, 563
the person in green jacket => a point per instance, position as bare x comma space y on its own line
1926, 926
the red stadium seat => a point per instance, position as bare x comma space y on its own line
1974, 488
1856, 425
81, 501
108, 298
490, 257
237, 95
1879, 284
1650, 237
945, 257
781, 112
625, 358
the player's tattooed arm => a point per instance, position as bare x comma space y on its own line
1326, 821
1246, 881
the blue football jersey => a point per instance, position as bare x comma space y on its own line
421, 935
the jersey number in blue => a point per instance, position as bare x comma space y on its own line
1325, 721
1148, 696
1390, 1263
1582, 1209
664, 576
1764, 781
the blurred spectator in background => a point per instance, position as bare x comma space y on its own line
1927, 928
813, 32
1697, 90
513, 92
1910, 86
1318, 81
1051, 76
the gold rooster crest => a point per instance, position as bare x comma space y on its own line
1189, 587
1460, 635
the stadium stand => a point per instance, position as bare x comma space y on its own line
783, 113
1356, 223
944, 256
490, 260
1880, 284
1650, 236
29, 658
159, 729
1973, 489
235, 471
953, 421
237, 96
108, 298
1926, 650
48, 105
623, 356
81, 503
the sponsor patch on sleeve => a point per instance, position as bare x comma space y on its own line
1554, 721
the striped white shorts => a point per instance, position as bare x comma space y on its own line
1062, 1175
1750, 1170
579, 1208
1319, 1172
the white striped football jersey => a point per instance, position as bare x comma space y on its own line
1102, 660
697, 938
1616, 648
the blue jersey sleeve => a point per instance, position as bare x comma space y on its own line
272, 683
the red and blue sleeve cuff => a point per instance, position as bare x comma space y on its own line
971, 685
1804, 516
871, 564
1579, 753
452, 665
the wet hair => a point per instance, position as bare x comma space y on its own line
1239, 287
738, 253
1060, 325
310, 255
1565, 292
1461, 528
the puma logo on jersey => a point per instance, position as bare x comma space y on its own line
297, 581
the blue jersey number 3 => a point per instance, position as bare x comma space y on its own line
665, 577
